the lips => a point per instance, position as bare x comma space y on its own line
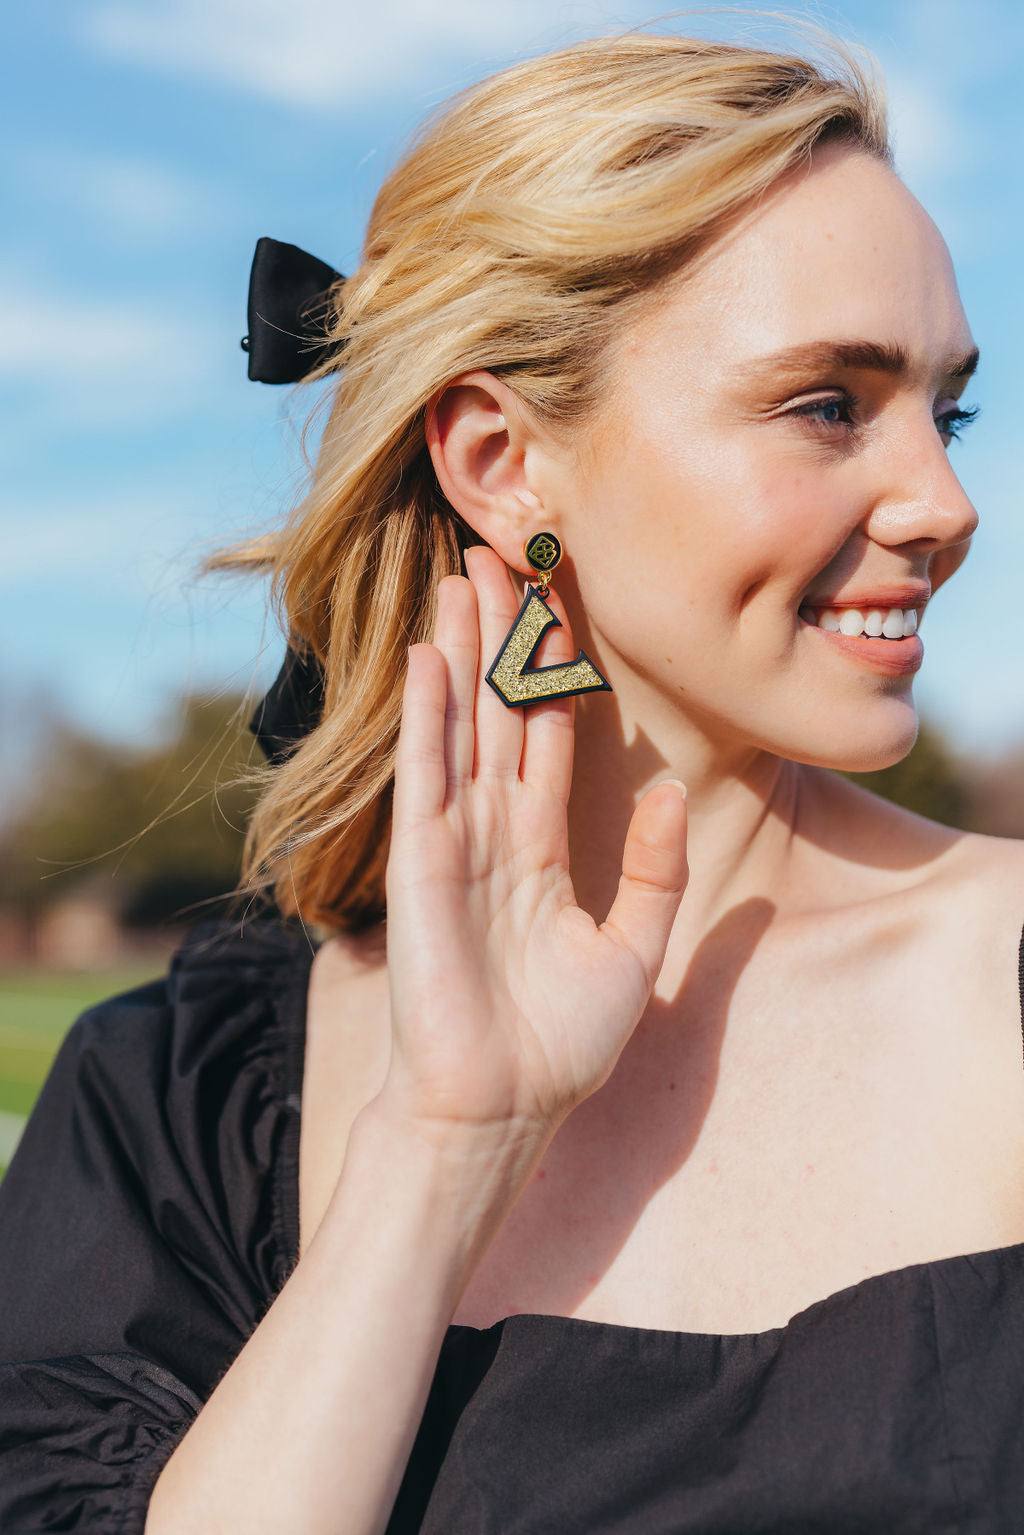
894, 658
905, 594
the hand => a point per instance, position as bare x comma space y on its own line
509, 1004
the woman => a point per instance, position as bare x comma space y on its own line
583, 1204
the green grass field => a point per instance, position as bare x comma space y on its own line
37, 1007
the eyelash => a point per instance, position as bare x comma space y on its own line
955, 420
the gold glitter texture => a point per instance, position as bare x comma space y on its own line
509, 676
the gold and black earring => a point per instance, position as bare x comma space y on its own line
510, 675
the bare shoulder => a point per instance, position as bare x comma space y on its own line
977, 939
956, 896
878, 831
348, 1042
1000, 859
986, 885
984, 879
875, 831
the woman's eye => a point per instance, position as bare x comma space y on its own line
839, 412
952, 422
834, 412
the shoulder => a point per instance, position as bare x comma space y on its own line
225, 981
984, 890
981, 885
998, 861
918, 851
971, 914
210, 1066
162, 1152
230, 1011
953, 899
978, 961
972, 896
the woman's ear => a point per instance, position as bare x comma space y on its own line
478, 436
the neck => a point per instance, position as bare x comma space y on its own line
742, 817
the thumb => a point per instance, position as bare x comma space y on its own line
654, 876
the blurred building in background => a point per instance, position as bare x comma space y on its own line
109, 853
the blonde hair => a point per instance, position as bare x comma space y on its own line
507, 238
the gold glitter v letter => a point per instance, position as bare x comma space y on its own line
509, 676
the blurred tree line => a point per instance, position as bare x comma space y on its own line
159, 831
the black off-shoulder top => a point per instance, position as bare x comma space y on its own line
150, 1216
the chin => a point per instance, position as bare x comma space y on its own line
871, 744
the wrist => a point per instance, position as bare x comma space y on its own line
459, 1154
447, 1185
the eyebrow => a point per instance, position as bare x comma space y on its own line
877, 356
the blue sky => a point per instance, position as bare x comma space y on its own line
150, 142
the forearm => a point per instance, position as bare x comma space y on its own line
310, 1429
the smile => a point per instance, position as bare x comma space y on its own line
884, 639
876, 623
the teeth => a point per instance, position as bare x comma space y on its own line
893, 623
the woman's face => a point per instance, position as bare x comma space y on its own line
737, 478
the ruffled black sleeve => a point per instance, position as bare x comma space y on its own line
147, 1220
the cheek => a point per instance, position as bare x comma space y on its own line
695, 528
764, 529
793, 526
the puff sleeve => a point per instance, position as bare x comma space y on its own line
147, 1220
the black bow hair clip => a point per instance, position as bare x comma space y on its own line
286, 341
292, 708
286, 314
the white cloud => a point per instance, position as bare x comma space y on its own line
321, 54
111, 542
143, 538
91, 361
941, 71
930, 137
102, 616
122, 194
936, 145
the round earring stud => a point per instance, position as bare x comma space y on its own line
543, 552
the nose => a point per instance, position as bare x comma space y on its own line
924, 502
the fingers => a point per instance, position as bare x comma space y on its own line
465, 728
499, 729
457, 636
654, 876
420, 770
549, 727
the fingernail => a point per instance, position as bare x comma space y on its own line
678, 783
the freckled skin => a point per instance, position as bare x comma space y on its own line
732, 509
